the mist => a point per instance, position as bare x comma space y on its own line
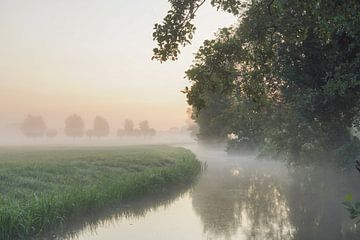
14, 136
57, 60
179, 120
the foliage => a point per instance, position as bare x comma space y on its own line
129, 129
74, 126
41, 189
129, 125
33, 126
350, 206
285, 80
143, 130
177, 28
190, 126
101, 127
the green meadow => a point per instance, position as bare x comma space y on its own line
42, 188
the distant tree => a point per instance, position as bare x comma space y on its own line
74, 126
191, 125
51, 133
129, 129
129, 126
33, 126
136, 132
145, 129
101, 127
144, 125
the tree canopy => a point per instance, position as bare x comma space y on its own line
74, 126
286, 79
145, 129
101, 127
130, 130
33, 126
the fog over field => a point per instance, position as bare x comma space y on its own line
90, 58
179, 119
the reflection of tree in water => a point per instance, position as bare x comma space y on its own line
247, 199
214, 200
300, 204
265, 211
315, 197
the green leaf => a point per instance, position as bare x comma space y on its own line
349, 198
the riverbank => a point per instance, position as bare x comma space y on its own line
42, 188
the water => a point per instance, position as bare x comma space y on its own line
237, 197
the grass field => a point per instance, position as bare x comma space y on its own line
42, 188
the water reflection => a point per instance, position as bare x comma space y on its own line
239, 198
314, 197
266, 200
133, 211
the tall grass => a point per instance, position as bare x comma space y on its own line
31, 212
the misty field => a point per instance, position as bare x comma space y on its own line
42, 188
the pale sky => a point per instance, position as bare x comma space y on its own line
92, 57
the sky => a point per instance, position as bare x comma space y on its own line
92, 57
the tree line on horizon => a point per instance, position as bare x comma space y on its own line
35, 127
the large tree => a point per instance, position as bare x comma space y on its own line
286, 77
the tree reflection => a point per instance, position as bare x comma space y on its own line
242, 202
314, 197
274, 203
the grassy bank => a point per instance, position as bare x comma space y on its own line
40, 189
